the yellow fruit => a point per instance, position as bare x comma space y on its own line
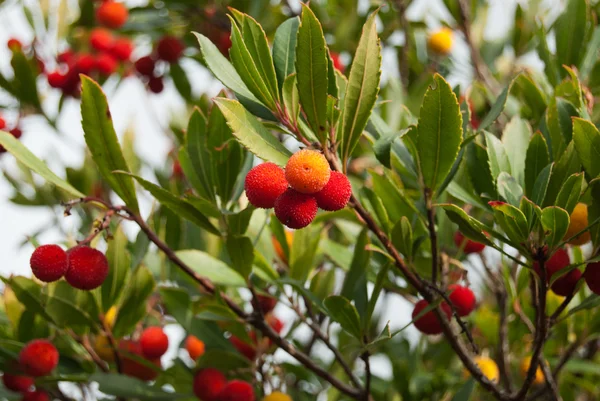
488, 367
103, 348
307, 171
110, 317
579, 221
539, 375
289, 236
277, 396
440, 42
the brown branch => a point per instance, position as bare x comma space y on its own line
365, 358
85, 343
550, 381
435, 261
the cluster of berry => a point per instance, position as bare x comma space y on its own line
212, 385
169, 49
296, 193
151, 346
462, 299
107, 50
14, 131
37, 358
83, 267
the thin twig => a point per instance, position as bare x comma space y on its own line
365, 358
435, 262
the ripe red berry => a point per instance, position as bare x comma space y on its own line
429, 322
248, 350
112, 14
336, 193
170, 49
565, 285
132, 367
154, 342
592, 277
470, 246
275, 323
237, 390
56, 79
101, 39
37, 395
66, 57
17, 383
14, 45
38, 358
106, 64
264, 184
266, 303
462, 298
122, 49
209, 384
295, 209
156, 84
88, 268
145, 66
16, 132
224, 42
337, 62
2, 123
85, 63
48, 263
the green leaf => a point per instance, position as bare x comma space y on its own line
402, 237
541, 185
439, 133
29, 293
536, 160
515, 138
355, 282
342, 311
465, 391
101, 140
499, 161
196, 146
64, 308
251, 133
362, 89
24, 82
509, 189
23, 155
587, 144
311, 72
225, 361
119, 261
479, 171
467, 225
291, 99
214, 269
177, 304
178, 206
181, 81
567, 165
496, 109
512, 221
571, 29
284, 49
133, 307
303, 251
555, 222
569, 194
241, 252
548, 58
129, 387
560, 126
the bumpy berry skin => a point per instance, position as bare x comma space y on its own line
154, 342
194, 346
112, 14
307, 171
470, 246
335, 194
170, 49
592, 277
48, 263
88, 268
295, 209
209, 384
277, 396
429, 323
101, 39
37, 395
462, 298
106, 64
38, 358
248, 350
145, 66
489, 368
264, 184
133, 368
539, 374
579, 221
440, 42
237, 390
17, 383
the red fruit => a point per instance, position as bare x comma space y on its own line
248, 350
56, 79
85, 63
66, 57
48, 263
38, 358
14, 45
237, 390
88, 268
16, 132
132, 367
470, 246
275, 323
145, 66
154, 342
264, 184
592, 277
266, 303
101, 39
209, 384
170, 49
337, 62
336, 193
156, 84
37, 395
17, 383
429, 322
295, 209
177, 170
2, 123
122, 49
565, 285
112, 14
195, 347
224, 43
106, 64
462, 298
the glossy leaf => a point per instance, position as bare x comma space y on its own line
402, 237
499, 162
284, 49
291, 98
214, 269
343, 312
535, 161
540, 187
555, 222
496, 109
241, 253
515, 138
467, 225
119, 261
509, 189
587, 144
569, 194
129, 387
133, 306
512, 221
355, 282
571, 32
